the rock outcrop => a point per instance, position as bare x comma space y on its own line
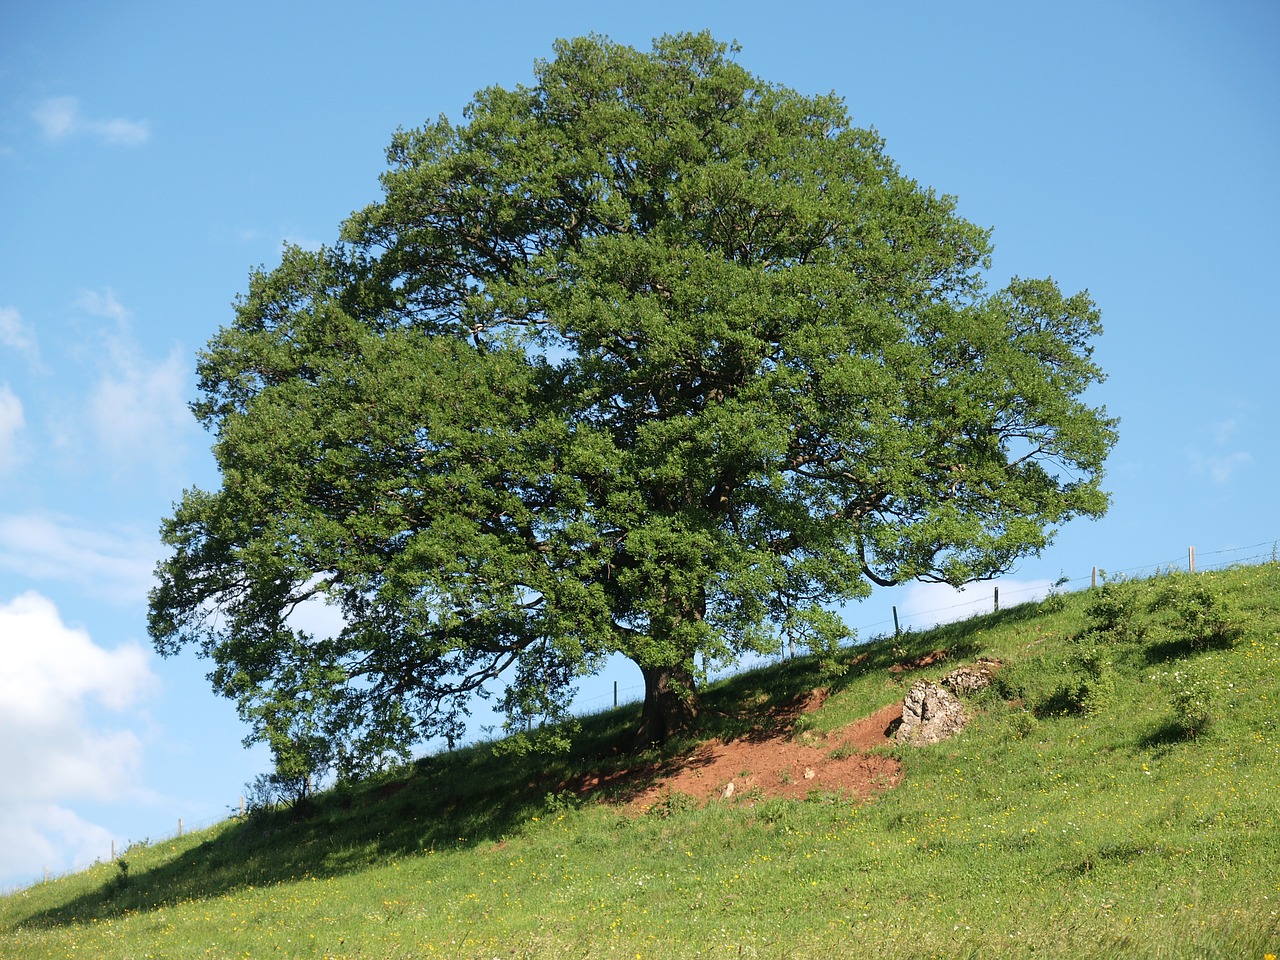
970, 678
930, 713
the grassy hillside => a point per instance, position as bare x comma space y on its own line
1115, 795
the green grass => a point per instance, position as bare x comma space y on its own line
1077, 816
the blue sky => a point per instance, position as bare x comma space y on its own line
152, 153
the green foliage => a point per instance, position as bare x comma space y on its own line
1193, 699
672, 803
650, 357
562, 801
1116, 612
1022, 723
1054, 602
1198, 612
1096, 688
1177, 611
1079, 681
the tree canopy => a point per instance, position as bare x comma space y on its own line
652, 357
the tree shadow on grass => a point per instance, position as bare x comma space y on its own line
465, 799
1166, 735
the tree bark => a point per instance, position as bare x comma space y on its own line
670, 703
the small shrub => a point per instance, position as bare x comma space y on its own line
1198, 612
776, 811
1022, 723
1116, 613
1192, 697
844, 751
1054, 602
561, 801
261, 795
120, 880
1097, 687
1031, 680
671, 803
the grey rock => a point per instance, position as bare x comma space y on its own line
930, 713
971, 677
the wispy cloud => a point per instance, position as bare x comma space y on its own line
1220, 467
12, 420
103, 304
55, 683
60, 118
35, 837
113, 565
139, 410
138, 406
1220, 464
16, 334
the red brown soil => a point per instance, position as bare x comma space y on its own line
770, 762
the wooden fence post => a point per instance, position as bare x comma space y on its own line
997, 599
1191, 559
897, 631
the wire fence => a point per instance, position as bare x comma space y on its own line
1267, 551
120, 851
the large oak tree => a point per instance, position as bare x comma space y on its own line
652, 357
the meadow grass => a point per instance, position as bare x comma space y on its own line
1077, 816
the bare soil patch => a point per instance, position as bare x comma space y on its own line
780, 766
767, 763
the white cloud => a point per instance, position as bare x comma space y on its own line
12, 420
115, 566
104, 304
1220, 468
34, 837
1220, 465
49, 667
1224, 430
60, 118
17, 334
929, 604
138, 407
54, 688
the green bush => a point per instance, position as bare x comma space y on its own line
1116, 613
1022, 723
1195, 609
1054, 602
1096, 686
1192, 697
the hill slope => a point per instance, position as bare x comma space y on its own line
1114, 794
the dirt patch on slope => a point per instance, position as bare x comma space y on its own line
768, 762
777, 765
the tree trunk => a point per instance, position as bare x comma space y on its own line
670, 703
